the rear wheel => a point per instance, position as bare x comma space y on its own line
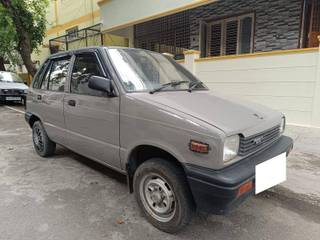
162, 192
41, 142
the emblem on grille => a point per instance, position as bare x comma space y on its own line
258, 140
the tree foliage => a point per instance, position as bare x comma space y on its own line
22, 28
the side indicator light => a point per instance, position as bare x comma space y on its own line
199, 147
246, 187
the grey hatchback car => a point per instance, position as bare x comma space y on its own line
139, 112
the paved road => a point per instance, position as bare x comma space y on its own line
70, 197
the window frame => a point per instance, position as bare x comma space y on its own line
223, 23
37, 82
104, 73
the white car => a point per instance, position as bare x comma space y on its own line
12, 88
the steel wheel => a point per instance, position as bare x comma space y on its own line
38, 139
158, 197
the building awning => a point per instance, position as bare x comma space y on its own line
119, 14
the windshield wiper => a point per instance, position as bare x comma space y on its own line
171, 84
194, 86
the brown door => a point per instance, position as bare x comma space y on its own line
314, 27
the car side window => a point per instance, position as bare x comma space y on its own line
85, 66
45, 79
58, 75
38, 78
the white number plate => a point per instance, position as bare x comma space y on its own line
13, 98
271, 173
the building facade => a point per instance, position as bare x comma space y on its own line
226, 27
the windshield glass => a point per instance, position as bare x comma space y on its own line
10, 77
142, 70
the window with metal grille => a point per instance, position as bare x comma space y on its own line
170, 34
72, 33
230, 36
314, 23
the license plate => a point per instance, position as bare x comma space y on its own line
271, 173
13, 98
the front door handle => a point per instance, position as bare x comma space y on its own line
72, 103
39, 97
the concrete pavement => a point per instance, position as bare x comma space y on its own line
70, 197
303, 166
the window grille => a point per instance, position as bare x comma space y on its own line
230, 36
167, 34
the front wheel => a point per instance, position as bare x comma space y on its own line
41, 142
162, 191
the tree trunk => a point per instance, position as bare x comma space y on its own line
25, 52
24, 41
2, 67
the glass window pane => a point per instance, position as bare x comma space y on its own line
141, 70
44, 83
215, 41
86, 65
58, 75
231, 37
245, 35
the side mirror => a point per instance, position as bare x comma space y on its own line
101, 84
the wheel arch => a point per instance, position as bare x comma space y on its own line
32, 118
141, 153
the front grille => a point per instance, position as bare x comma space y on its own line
12, 91
253, 143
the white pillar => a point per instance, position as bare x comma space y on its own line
131, 36
316, 99
190, 57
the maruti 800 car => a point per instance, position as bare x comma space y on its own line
139, 112
12, 88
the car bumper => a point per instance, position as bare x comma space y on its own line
216, 191
10, 98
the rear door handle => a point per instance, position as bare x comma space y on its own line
72, 103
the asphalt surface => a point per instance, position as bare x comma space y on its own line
70, 197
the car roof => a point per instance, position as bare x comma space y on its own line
87, 49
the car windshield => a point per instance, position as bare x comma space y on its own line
10, 77
142, 70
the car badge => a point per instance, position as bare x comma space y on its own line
258, 140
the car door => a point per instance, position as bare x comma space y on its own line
91, 117
47, 98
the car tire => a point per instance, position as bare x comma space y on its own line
162, 192
41, 142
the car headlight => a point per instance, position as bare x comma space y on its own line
25, 91
283, 125
231, 147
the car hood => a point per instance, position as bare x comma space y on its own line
11, 85
230, 116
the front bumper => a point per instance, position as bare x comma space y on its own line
4, 98
216, 191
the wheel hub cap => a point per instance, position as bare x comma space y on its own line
37, 139
158, 198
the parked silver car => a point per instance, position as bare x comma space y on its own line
12, 88
181, 147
